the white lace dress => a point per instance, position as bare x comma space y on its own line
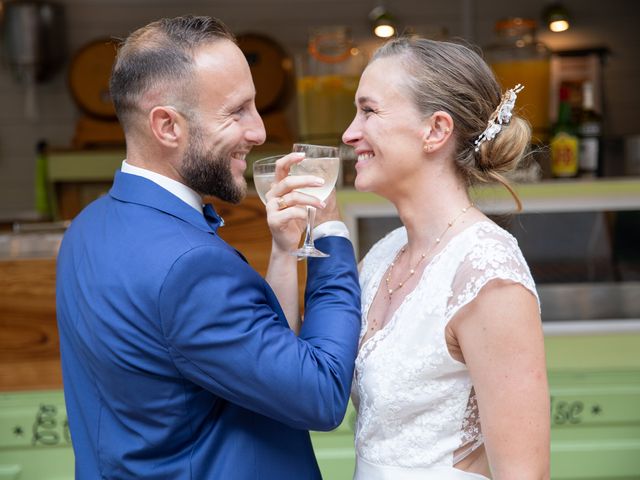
416, 404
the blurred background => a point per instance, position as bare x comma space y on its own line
52, 107
60, 144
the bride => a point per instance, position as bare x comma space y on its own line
450, 379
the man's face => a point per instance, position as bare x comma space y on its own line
224, 124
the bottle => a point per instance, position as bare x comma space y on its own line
564, 140
42, 190
590, 131
516, 56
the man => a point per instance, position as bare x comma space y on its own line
177, 358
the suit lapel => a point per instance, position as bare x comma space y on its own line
135, 189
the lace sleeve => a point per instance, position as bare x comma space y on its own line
495, 255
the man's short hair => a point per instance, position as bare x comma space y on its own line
160, 55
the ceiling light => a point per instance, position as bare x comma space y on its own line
556, 17
382, 22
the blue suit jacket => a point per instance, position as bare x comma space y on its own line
177, 359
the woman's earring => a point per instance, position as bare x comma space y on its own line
429, 147
446, 130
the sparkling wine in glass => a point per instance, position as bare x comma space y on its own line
323, 162
264, 174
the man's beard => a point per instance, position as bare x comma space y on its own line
208, 173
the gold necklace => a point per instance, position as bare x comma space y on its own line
387, 280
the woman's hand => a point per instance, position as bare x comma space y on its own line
286, 212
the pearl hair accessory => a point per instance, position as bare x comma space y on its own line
501, 116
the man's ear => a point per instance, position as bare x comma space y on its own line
437, 131
166, 126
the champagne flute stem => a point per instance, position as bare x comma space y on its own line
308, 238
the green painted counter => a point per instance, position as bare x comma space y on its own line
603, 190
595, 419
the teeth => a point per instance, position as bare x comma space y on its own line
365, 156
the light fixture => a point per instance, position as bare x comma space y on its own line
556, 17
382, 22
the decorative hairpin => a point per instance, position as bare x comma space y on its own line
501, 116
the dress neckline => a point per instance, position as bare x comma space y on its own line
366, 347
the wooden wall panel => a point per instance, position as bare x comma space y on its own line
29, 348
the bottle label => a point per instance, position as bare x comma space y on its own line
564, 155
590, 129
589, 154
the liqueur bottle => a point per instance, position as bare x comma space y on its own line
564, 140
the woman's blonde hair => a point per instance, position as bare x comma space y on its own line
445, 76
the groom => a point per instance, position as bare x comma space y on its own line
177, 358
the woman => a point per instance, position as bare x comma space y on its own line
450, 379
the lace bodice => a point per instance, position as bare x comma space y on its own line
416, 404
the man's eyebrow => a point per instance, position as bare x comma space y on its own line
241, 102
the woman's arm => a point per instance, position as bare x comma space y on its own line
286, 216
501, 340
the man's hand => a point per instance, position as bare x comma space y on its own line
330, 211
286, 207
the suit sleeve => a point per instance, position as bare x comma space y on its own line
227, 333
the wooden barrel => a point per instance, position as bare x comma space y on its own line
271, 69
89, 75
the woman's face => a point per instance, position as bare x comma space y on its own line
387, 131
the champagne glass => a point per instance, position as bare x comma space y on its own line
323, 162
319, 161
264, 174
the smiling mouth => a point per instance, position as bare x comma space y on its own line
363, 157
239, 156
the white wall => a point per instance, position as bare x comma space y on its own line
614, 23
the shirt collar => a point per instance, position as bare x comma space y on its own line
184, 193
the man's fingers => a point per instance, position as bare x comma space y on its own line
283, 165
294, 199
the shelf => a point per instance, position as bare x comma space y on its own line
545, 196
84, 165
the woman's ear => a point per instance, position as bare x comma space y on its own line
438, 130
166, 125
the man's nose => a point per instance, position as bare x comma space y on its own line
256, 133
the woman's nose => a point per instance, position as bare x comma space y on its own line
351, 134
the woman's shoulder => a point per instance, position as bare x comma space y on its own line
490, 252
489, 241
486, 234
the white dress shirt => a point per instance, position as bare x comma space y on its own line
180, 190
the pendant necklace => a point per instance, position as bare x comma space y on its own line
387, 280
390, 290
